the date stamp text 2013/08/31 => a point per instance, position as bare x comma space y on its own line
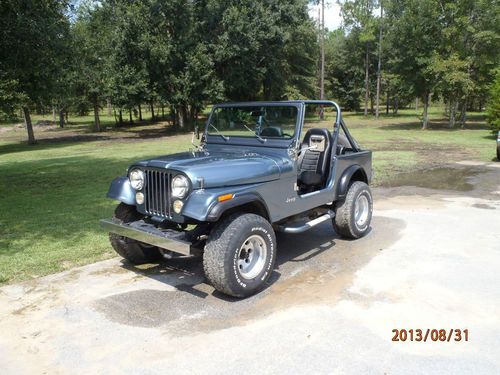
427, 335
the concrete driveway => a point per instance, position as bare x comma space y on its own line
431, 261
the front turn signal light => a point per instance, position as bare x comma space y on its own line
225, 197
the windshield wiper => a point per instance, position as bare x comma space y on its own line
258, 136
226, 138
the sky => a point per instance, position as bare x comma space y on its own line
333, 18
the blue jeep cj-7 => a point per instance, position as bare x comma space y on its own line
250, 176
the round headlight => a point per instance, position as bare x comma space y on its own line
180, 186
136, 177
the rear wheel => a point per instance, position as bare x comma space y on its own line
240, 254
134, 251
354, 214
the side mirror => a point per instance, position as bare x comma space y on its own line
197, 132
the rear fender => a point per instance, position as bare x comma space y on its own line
347, 177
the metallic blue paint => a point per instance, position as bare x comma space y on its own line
121, 190
220, 168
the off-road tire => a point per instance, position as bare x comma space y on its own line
133, 251
220, 258
344, 221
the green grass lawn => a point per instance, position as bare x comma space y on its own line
53, 193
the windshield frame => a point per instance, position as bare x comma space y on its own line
252, 139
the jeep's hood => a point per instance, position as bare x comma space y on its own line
220, 169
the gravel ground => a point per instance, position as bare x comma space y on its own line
430, 261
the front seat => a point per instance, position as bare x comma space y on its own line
314, 160
272, 131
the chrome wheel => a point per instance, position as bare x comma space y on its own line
252, 257
361, 210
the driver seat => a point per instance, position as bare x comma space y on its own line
314, 161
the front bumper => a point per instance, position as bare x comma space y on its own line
148, 233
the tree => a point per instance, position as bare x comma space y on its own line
261, 50
90, 81
415, 32
344, 78
493, 105
469, 51
358, 14
379, 65
34, 37
453, 82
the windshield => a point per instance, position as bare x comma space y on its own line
260, 122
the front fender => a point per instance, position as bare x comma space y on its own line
203, 204
121, 190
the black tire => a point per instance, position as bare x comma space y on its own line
134, 251
345, 222
226, 243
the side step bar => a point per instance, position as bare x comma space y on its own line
306, 226
149, 234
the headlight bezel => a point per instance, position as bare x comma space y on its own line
136, 178
184, 189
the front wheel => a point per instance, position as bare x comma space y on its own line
354, 214
239, 255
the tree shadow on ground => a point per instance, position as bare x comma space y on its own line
441, 124
130, 134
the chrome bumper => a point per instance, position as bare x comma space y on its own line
149, 234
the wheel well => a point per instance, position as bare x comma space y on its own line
359, 175
248, 208
347, 179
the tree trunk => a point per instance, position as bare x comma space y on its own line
463, 113
162, 111
395, 107
54, 119
120, 117
116, 118
181, 115
366, 80
66, 115
29, 126
97, 121
173, 116
61, 118
453, 113
416, 104
425, 119
130, 116
379, 66
152, 111
140, 112
322, 63
109, 106
192, 117
387, 103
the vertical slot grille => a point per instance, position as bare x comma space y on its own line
157, 193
